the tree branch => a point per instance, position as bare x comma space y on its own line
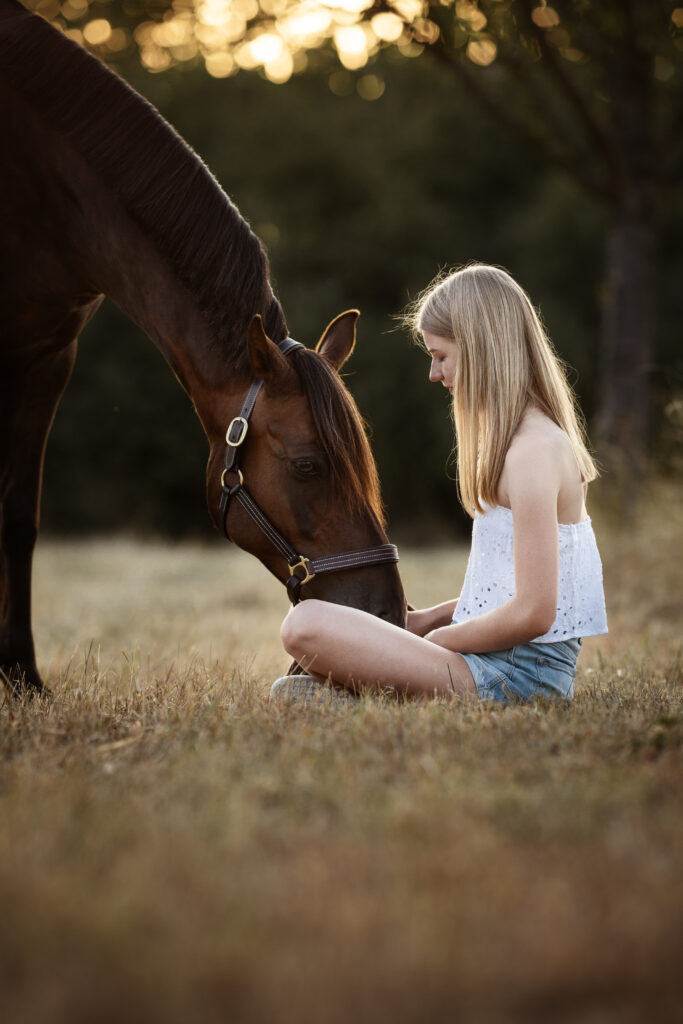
603, 142
526, 82
538, 141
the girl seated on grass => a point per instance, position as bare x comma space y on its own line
533, 586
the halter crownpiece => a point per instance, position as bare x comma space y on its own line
301, 569
288, 345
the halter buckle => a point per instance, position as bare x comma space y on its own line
237, 486
243, 424
304, 564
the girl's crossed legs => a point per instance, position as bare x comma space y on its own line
358, 650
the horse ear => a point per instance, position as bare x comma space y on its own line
337, 343
265, 358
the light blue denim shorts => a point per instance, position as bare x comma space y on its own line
526, 671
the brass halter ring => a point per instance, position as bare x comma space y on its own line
305, 564
239, 474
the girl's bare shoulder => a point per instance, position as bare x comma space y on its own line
538, 435
542, 452
540, 448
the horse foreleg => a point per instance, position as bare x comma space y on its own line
28, 400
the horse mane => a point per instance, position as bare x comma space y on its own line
342, 434
160, 180
174, 198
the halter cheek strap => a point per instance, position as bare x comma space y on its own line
301, 569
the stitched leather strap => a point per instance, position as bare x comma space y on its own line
266, 526
288, 345
378, 555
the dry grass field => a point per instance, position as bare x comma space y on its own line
174, 847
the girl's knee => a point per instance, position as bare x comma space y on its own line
299, 630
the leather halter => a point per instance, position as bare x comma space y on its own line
301, 569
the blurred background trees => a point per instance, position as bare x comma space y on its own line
370, 145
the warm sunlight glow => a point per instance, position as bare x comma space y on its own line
118, 40
274, 7
97, 32
370, 87
545, 17
246, 9
244, 57
154, 58
219, 65
275, 37
74, 10
75, 34
267, 47
426, 31
281, 68
482, 51
409, 9
172, 33
468, 10
352, 46
306, 24
352, 6
387, 27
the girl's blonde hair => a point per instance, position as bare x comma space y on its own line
505, 362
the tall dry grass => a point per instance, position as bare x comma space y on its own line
174, 847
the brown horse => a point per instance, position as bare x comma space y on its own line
99, 196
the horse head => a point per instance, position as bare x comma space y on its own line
306, 463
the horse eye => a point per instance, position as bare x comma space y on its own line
305, 467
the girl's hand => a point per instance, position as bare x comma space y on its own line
421, 621
417, 622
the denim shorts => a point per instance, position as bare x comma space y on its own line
526, 671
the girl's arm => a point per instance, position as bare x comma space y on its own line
534, 477
422, 620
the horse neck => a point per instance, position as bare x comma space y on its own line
115, 257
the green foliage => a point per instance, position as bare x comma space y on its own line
360, 204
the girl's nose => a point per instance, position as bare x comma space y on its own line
434, 373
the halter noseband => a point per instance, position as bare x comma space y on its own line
308, 567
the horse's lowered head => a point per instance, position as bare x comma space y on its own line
306, 462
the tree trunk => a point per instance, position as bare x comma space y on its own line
627, 346
627, 343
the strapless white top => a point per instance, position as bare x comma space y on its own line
490, 577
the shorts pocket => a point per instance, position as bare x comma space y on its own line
555, 678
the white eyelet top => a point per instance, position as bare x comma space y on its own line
490, 577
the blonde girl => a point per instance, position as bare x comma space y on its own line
533, 586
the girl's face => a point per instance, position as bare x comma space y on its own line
444, 356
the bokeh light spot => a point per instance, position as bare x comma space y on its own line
267, 47
482, 51
341, 83
370, 87
280, 68
352, 46
219, 65
387, 26
97, 32
545, 17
